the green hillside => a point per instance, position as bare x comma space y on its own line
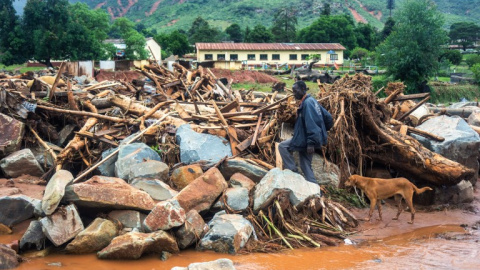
166, 15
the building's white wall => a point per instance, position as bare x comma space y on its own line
156, 49
284, 57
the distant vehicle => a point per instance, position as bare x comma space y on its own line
309, 74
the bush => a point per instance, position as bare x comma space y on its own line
446, 93
454, 56
472, 60
476, 72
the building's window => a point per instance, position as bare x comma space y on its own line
251, 56
275, 56
263, 56
293, 57
220, 56
208, 56
333, 56
233, 57
305, 56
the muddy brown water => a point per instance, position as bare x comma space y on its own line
433, 247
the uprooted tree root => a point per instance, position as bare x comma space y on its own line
318, 222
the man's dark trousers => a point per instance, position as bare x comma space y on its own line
289, 162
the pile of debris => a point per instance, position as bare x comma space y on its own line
175, 159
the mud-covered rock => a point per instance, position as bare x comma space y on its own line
128, 218
55, 190
157, 189
203, 191
240, 180
8, 257
184, 175
63, 225
109, 193
21, 162
11, 134
94, 238
164, 216
191, 231
134, 244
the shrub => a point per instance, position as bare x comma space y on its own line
476, 72
472, 60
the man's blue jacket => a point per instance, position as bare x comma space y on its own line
311, 127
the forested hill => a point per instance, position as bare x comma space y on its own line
165, 15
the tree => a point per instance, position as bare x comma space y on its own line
86, 31
284, 25
134, 41
366, 36
200, 31
326, 10
259, 34
234, 32
330, 29
390, 6
44, 23
454, 56
464, 33
412, 50
359, 53
174, 43
387, 28
12, 39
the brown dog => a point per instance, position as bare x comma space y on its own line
379, 189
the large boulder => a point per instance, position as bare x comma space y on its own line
461, 142
134, 244
191, 231
128, 218
130, 156
157, 189
220, 264
55, 190
277, 181
184, 175
228, 233
164, 216
108, 192
8, 257
203, 191
11, 134
14, 210
325, 172
149, 169
237, 198
240, 180
63, 225
240, 165
21, 162
33, 237
460, 193
94, 238
196, 146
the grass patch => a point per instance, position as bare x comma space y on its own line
21, 68
343, 196
447, 93
267, 87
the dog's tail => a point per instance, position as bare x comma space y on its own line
421, 190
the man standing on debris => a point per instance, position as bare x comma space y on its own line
310, 132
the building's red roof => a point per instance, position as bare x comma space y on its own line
268, 46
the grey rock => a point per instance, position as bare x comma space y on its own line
11, 134
64, 134
190, 232
277, 181
461, 142
325, 172
128, 218
237, 198
21, 162
8, 257
14, 210
55, 190
149, 169
240, 165
157, 189
108, 167
63, 225
42, 156
196, 146
474, 118
33, 237
95, 237
130, 156
464, 104
460, 193
220, 264
164, 216
228, 233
